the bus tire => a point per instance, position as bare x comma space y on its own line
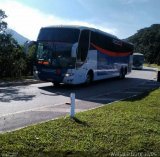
122, 73
89, 78
126, 71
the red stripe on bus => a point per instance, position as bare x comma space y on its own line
111, 53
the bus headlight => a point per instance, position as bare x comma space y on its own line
69, 74
36, 72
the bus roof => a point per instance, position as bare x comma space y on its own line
81, 28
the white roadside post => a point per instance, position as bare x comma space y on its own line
72, 97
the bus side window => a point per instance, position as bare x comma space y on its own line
83, 46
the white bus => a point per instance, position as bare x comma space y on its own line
138, 60
77, 54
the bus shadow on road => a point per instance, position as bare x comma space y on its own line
80, 90
105, 91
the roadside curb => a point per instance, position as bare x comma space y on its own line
19, 83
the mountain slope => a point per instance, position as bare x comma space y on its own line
147, 41
18, 37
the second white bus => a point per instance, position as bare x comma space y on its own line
138, 60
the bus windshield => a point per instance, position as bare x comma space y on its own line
68, 35
56, 54
55, 46
139, 58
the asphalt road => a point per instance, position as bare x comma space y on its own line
43, 98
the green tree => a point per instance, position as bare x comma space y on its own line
3, 24
147, 41
12, 58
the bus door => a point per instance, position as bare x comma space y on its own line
83, 46
82, 52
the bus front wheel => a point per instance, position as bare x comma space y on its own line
89, 78
56, 84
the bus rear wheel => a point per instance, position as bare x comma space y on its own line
122, 73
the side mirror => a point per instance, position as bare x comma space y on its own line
74, 50
27, 45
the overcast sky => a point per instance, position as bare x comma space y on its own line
119, 17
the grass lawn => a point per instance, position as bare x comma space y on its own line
153, 66
126, 128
